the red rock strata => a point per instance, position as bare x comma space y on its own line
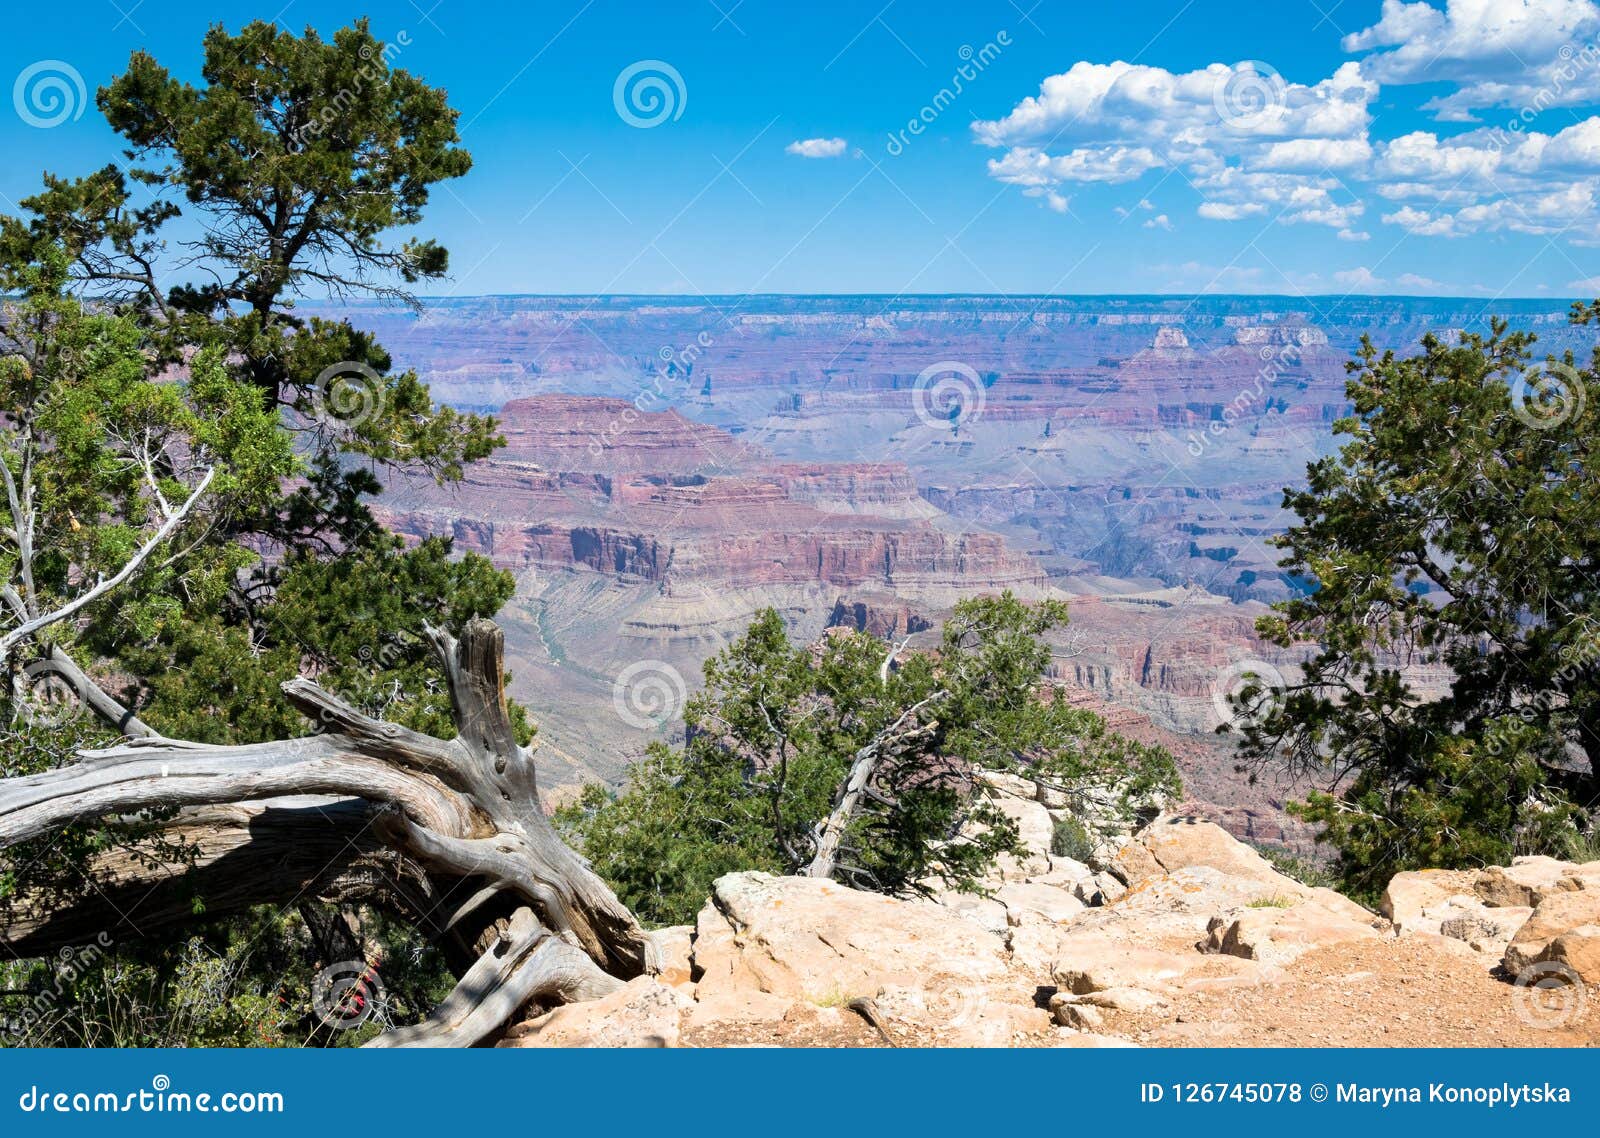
595, 484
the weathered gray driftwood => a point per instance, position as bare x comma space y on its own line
463, 810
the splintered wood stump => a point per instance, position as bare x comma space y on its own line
465, 810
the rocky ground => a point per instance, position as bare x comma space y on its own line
1180, 936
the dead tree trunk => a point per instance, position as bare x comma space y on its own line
829, 836
466, 810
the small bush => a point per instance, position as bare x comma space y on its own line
1309, 873
1071, 838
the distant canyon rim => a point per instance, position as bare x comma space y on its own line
675, 465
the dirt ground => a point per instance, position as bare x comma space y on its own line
1406, 992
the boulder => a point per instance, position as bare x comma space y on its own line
1065, 873
1034, 827
1523, 883
1087, 963
1134, 863
1281, 935
1181, 904
1101, 889
1035, 943
1172, 845
1177, 843
642, 1013
675, 947
1558, 914
802, 938
1579, 949
1483, 928
1529, 880
986, 912
1050, 796
1048, 901
1121, 999
1410, 896
1009, 785
947, 1012
1069, 1013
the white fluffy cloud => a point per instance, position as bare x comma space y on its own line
1230, 211
1488, 179
1421, 222
1026, 166
1245, 135
1258, 146
817, 147
1501, 53
1314, 155
1208, 109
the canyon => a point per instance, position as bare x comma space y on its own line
674, 465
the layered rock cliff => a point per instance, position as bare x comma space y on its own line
596, 485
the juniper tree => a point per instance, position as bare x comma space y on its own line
857, 759
1455, 531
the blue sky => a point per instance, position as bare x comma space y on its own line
1331, 147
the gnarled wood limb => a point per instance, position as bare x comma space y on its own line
277, 852
96, 698
467, 810
862, 768
239, 855
528, 963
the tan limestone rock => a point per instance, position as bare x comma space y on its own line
1281, 935
802, 938
642, 1013
1557, 914
1087, 963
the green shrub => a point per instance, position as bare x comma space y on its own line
1071, 838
